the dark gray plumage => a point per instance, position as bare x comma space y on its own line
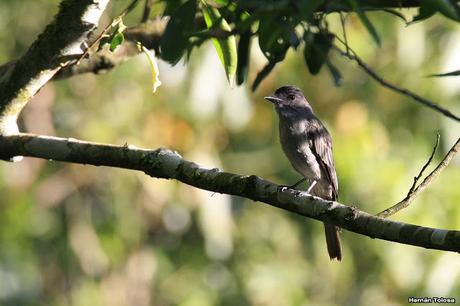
308, 146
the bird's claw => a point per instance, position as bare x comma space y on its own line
283, 188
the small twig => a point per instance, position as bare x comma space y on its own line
416, 178
354, 57
114, 22
344, 31
414, 192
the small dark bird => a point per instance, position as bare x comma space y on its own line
308, 146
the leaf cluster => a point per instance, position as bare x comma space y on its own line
278, 26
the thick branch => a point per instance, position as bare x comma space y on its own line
163, 163
61, 40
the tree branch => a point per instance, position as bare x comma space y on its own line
61, 40
354, 57
148, 34
414, 192
163, 163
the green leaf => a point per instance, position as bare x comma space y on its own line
428, 8
425, 11
335, 73
274, 36
366, 22
448, 8
308, 7
244, 46
175, 39
317, 46
117, 40
396, 13
221, 2
452, 73
263, 74
225, 47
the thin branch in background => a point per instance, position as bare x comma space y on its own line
414, 192
350, 54
344, 31
416, 178
147, 9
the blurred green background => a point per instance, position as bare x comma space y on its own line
84, 235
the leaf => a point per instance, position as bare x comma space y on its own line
274, 36
225, 47
153, 66
221, 2
317, 46
263, 74
425, 11
428, 8
448, 8
244, 46
117, 40
452, 73
335, 73
396, 13
308, 7
175, 39
366, 22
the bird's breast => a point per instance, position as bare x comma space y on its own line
297, 147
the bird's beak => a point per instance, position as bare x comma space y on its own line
273, 99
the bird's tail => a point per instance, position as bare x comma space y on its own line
333, 241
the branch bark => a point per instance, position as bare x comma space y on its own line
148, 34
163, 163
62, 40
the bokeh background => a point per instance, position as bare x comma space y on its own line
84, 235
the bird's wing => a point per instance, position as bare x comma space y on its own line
321, 145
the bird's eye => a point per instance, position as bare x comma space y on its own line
291, 97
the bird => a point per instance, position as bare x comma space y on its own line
308, 146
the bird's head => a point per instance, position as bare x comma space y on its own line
288, 97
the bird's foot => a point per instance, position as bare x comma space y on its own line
282, 188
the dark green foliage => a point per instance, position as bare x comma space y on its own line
277, 25
244, 48
317, 46
176, 37
274, 33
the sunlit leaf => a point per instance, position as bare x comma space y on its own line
153, 66
117, 40
225, 47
